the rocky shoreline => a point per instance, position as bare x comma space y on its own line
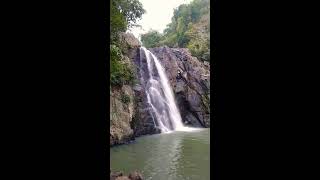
120, 176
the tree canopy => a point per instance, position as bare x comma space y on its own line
151, 38
189, 28
123, 15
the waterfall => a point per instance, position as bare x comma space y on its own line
160, 96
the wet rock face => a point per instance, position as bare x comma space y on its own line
142, 123
190, 80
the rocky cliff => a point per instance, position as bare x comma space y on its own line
122, 106
130, 115
190, 80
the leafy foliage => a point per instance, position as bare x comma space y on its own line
151, 38
118, 22
132, 10
125, 98
123, 15
120, 73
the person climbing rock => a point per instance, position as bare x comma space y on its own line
179, 76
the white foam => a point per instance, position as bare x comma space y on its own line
188, 129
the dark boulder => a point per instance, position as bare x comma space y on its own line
135, 176
120, 176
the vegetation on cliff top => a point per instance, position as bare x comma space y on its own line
123, 15
189, 28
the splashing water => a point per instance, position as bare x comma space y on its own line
160, 97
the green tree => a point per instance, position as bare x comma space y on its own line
132, 10
151, 39
189, 28
124, 14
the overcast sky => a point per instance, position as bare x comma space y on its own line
158, 15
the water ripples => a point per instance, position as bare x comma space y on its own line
171, 156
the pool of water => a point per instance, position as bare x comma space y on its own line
171, 156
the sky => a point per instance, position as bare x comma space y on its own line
158, 15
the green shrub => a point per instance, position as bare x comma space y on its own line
151, 39
120, 72
125, 98
200, 49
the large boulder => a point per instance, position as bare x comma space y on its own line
135, 176
128, 42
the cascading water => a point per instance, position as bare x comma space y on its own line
160, 97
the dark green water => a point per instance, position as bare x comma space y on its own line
172, 156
